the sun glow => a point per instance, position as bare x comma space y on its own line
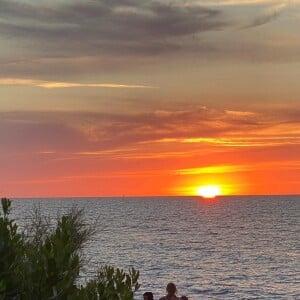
208, 191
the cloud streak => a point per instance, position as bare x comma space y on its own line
222, 169
242, 2
57, 85
92, 134
268, 15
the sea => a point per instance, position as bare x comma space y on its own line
237, 247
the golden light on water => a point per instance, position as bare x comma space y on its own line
208, 191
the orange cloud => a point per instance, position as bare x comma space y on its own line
162, 152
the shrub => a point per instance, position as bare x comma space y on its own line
44, 263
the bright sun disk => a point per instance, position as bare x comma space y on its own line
208, 191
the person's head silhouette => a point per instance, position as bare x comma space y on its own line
148, 296
171, 289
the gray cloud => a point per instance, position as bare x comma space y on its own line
57, 39
105, 26
43, 39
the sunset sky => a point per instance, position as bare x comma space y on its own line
142, 97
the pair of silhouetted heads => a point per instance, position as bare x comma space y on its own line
171, 294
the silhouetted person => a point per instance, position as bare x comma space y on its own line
171, 292
148, 296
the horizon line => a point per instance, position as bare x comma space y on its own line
149, 196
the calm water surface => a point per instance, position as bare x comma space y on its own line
227, 248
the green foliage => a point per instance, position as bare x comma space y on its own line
116, 284
43, 264
11, 250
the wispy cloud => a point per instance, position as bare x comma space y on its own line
56, 85
250, 141
269, 14
234, 168
96, 134
242, 2
240, 113
212, 170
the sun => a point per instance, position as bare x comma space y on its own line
208, 191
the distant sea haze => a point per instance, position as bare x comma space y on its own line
225, 248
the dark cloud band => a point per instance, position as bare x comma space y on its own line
105, 25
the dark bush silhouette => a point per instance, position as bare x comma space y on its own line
44, 263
